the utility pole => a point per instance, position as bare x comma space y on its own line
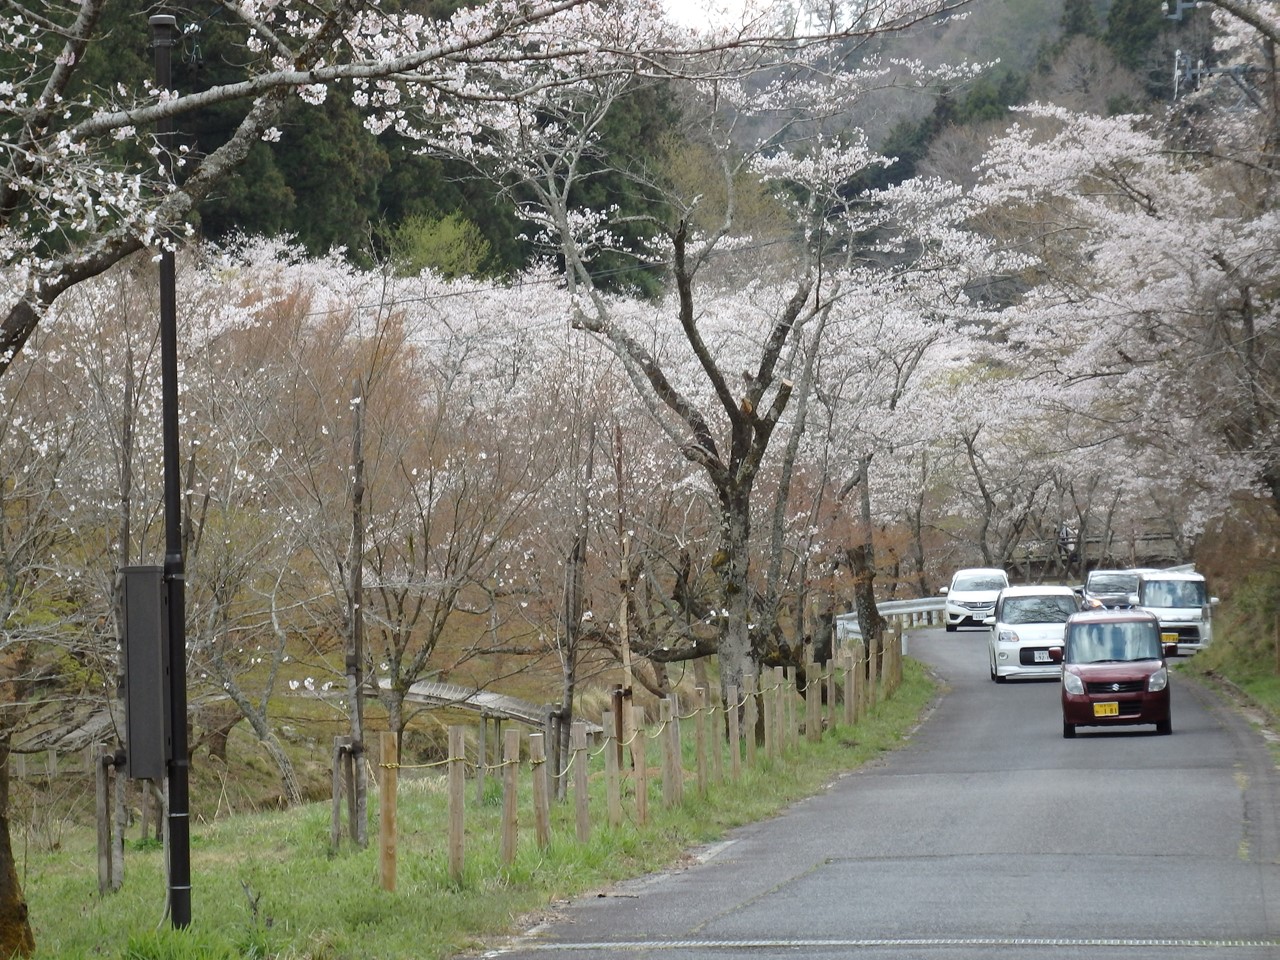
164, 34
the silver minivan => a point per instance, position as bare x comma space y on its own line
1181, 602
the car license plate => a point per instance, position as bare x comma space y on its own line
1168, 638
1111, 709
1042, 656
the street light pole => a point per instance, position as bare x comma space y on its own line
164, 33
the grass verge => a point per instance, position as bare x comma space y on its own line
269, 886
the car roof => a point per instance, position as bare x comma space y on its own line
1170, 575
982, 570
1038, 590
1113, 616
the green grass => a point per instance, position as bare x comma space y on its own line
269, 886
1246, 641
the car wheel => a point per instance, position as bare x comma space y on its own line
1068, 730
993, 672
1000, 678
951, 628
1165, 727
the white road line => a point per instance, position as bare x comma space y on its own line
631, 945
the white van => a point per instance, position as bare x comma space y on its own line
1181, 602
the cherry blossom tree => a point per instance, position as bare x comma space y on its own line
70, 207
1151, 303
721, 420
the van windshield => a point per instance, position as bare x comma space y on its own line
1118, 582
1172, 593
1109, 642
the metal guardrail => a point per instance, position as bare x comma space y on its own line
908, 613
484, 702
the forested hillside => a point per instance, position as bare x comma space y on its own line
329, 182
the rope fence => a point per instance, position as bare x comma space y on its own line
770, 711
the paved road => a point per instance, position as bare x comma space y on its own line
988, 835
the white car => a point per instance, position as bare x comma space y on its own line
972, 596
1027, 622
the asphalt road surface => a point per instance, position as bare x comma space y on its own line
987, 835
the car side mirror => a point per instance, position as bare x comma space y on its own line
943, 591
989, 622
1055, 654
1170, 649
1213, 600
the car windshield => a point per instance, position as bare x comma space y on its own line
1172, 593
1106, 642
1112, 582
984, 581
1052, 608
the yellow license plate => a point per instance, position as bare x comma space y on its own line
1106, 709
1168, 638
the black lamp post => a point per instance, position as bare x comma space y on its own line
164, 33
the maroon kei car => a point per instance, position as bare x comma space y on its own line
1113, 671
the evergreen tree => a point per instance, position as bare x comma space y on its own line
1078, 19
1132, 28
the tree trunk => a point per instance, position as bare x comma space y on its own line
15, 928
355, 620
735, 650
288, 776
574, 607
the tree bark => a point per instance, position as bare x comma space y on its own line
16, 939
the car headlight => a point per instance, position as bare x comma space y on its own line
1072, 683
1158, 680
1007, 636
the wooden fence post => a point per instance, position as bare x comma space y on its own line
863, 668
340, 746
781, 738
829, 676
873, 672
735, 734
766, 708
750, 714
457, 766
899, 637
671, 772
612, 778
850, 689
541, 799
387, 810
700, 738
482, 757
510, 794
579, 760
718, 735
812, 698
102, 813
640, 763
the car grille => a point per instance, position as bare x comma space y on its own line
978, 605
1123, 686
1186, 634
